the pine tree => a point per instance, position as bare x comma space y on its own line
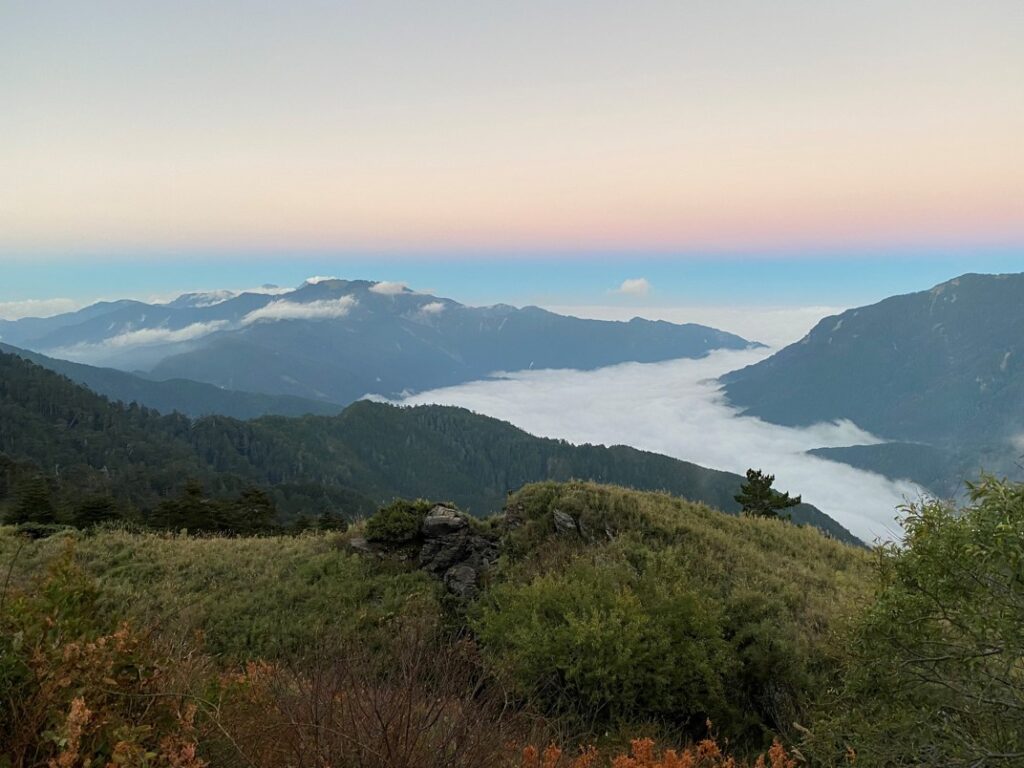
34, 504
759, 499
93, 510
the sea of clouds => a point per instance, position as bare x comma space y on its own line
676, 408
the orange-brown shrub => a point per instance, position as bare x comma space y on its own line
74, 693
422, 703
644, 754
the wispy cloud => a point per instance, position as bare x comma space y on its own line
775, 326
95, 352
151, 336
676, 408
324, 309
319, 279
15, 310
388, 288
634, 286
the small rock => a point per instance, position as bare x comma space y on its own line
564, 524
361, 545
442, 521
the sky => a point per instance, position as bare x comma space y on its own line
747, 164
156, 130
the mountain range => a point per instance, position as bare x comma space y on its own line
938, 374
335, 341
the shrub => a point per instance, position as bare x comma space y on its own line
423, 703
661, 610
936, 673
398, 523
601, 642
643, 753
76, 692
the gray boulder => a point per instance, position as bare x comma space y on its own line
442, 521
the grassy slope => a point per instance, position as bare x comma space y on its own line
261, 595
249, 596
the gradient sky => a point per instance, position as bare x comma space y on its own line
161, 129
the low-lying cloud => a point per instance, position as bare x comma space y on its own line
387, 288
16, 310
676, 408
150, 336
433, 308
281, 309
99, 351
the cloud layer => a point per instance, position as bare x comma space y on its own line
675, 408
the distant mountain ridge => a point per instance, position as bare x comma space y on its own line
191, 398
939, 371
338, 340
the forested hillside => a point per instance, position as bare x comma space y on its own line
340, 467
191, 398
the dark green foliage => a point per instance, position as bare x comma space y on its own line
138, 458
34, 504
757, 498
936, 672
251, 512
451, 453
659, 610
330, 522
398, 523
93, 511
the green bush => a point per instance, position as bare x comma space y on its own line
663, 610
601, 641
398, 523
936, 670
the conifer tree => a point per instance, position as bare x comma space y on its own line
34, 504
93, 510
759, 499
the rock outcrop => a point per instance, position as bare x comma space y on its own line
449, 549
453, 551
